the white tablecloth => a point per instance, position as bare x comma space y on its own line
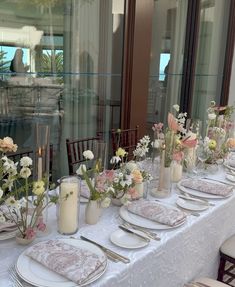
184, 253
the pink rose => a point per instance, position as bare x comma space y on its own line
30, 233
178, 156
133, 193
41, 225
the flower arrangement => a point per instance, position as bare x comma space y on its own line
142, 148
217, 141
17, 206
97, 180
175, 140
127, 181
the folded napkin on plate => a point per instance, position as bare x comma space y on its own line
7, 226
74, 263
207, 187
157, 212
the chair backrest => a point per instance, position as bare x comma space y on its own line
28, 152
75, 148
126, 139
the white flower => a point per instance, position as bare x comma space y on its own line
157, 143
26, 161
115, 180
115, 159
105, 202
38, 187
81, 169
9, 164
110, 190
9, 182
211, 116
120, 175
25, 172
131, 165
2, 218
12, 202
1, 192
88, 154
176, 107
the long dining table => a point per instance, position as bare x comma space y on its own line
184, 253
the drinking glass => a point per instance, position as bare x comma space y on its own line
202, 156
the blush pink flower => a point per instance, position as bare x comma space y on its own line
178, 156
133, 193
189, 143
172, 123
137, 176
41, 225
30, 233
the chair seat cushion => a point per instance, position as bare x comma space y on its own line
228, 247
211, 282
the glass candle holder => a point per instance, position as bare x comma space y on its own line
68, 206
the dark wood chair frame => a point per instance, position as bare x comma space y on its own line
222, 271
126, 139
75, 148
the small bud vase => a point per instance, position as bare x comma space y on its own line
23, 241
93, 211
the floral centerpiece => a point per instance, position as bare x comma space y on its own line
217, 140
17, 204
97, 180
127, 181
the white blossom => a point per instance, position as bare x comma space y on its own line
25, 172
81, 169
12, 202
26, 161
88, 154
105, 202
115, 159
211, 116
176, 107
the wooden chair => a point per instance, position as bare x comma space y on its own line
29, 152
206, 282
75, 148
226, 270
126, 139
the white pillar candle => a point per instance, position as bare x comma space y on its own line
39, 164
68, 207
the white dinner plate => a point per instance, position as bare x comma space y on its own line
201, 194
230, 177
191, 205
38, 275
144, 222
226, 164
127, 240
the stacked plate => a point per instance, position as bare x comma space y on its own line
38, 275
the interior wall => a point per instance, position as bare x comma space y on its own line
231, 100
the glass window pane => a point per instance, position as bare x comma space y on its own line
214, 16
168, 37
61, 64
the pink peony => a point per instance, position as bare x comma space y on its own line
133, 193
30, 233
41, 225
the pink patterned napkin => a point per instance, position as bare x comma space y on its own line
74, 263
7, 226
157, 212
207, 187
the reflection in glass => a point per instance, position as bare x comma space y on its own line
71, 81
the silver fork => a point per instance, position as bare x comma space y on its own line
150, 234
14, 277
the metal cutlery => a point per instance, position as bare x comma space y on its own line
14, 277
134, 233
195, 196
150, 234
220, 181
108, 251
196, 200
185, 210
108, 254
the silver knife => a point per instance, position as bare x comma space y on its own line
194, 200
120, 257
220, 181
134, 233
